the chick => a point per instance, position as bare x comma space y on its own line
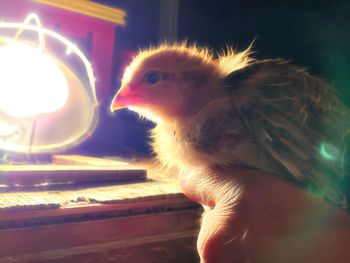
232, 110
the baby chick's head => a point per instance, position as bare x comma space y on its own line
169, 82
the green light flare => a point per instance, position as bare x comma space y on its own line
329, 152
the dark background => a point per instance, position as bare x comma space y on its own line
309, 33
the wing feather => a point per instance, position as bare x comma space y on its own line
291, 114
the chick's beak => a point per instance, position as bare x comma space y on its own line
122, 99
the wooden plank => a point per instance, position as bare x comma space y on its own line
62, 236
51, 174
167, 248
107, 194
88, 160
148, 221
79, 212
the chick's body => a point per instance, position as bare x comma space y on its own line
235, 111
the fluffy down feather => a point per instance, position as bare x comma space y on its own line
232, 110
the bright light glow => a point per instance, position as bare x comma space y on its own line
31, 81
74, 49
7, 130
30, 76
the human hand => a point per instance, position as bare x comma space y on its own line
253, 216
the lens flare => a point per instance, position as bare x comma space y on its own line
329, 152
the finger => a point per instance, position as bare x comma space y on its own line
208, 187
222, 237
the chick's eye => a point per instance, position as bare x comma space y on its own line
153, 77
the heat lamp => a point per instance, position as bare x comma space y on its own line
48, 100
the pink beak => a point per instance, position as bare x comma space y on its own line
118, 101
125, 97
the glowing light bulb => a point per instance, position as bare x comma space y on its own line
31, 81
36, 89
